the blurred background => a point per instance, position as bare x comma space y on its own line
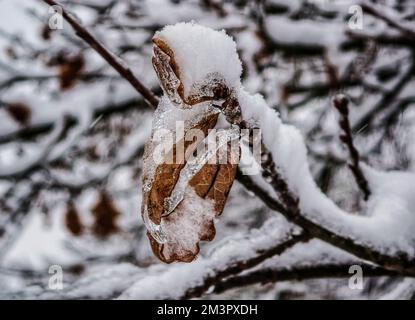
72, 130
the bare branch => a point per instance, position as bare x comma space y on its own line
264, 276
25, 165
388, 98
393, 21
240, 266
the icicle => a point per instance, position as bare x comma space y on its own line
155, 230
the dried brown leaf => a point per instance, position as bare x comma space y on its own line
20, 112
46, 32
72, 221
205, 196
210, 186
105, 214
70, 70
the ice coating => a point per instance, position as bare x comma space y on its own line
155, 230
165, 118
199, 60
167, 115
190, 72
193, 167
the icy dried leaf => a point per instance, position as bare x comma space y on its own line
167, 175
182, 199
192, 220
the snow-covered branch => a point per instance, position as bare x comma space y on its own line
316, 271
390, 18
223, 261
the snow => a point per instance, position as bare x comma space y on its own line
198, 60
166, 12
176, 279
286, 31
167, 115
172, 281
291, 4
34, 155
100, 283
40, 243
184, 228
312, 253
403, 291
131, 146
77, 103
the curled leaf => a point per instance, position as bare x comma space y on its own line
181, 199
190, 219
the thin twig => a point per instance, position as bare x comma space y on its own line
34, 130
341, 103
240, 266
387, 99
390, 20
264, 276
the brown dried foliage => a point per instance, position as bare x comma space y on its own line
72, 221
20, 112
105, 214
212, 183
70, 67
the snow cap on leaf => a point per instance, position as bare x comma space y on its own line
204, 61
